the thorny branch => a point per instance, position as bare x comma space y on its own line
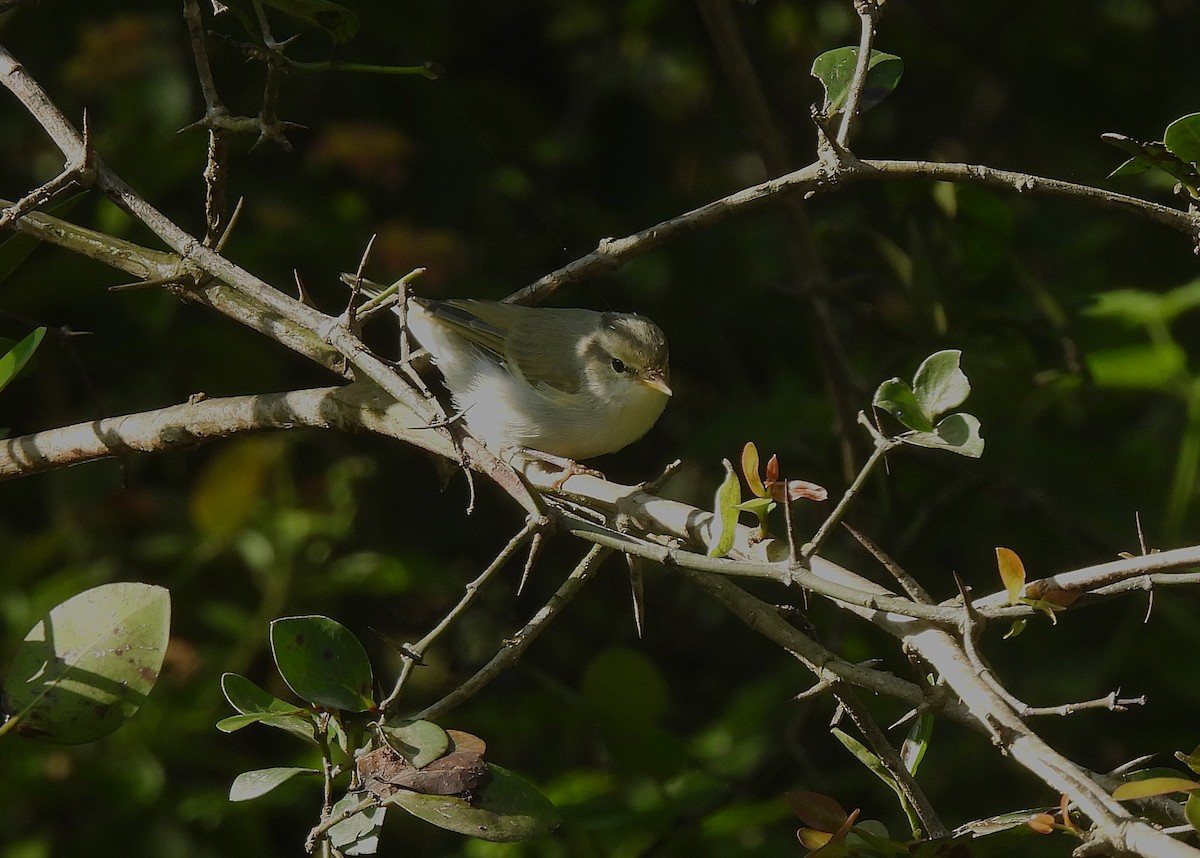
515, 646
937, 633
413, 653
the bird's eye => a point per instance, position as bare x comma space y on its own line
618, 365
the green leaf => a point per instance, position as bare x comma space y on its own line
758, 506
506, 810
247, 698
1153, 786
1191, 810
323, 662
868, 758
939, 384
1016, 628
17, 246
897, 398
725, 513
1127, 145
916, 743
337, 20
1156, 155
958, 433
299, 724
88, 664
259, 782
419, 742
835, 70
357, 834
259, 707
1144, 366
15, 358
233, 723
1182, 137
1192, 760
1132, 167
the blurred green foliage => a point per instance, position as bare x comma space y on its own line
557, 124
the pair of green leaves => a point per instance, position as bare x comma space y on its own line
938, 386
87, 665
326, 666
323, 663
1177, 154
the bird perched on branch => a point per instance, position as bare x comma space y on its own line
565, 382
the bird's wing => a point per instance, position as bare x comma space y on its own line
551, 363
517, 336
469, 320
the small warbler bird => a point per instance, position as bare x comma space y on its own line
564, 382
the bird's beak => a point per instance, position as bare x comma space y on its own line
655, 380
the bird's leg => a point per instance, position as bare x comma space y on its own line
570, 467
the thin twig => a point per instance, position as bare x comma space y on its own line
614, 252
515, 646
216, 168
535, 550
1110, 702
881, 449
356, 283
867, 11
78, 172
318, 833
908, 583
934, 829
411, 654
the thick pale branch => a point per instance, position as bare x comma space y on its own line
352, 407
1103, 577
276, 313
140, 262
1114, 824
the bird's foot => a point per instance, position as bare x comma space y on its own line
570, 468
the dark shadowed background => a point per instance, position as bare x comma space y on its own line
555, 125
